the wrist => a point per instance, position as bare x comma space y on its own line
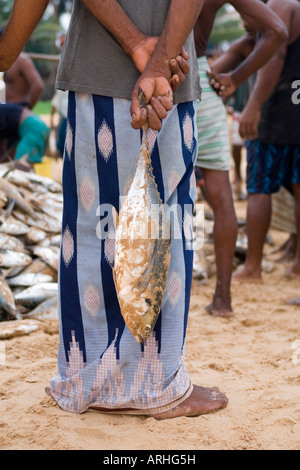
134, 44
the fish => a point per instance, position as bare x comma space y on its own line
12, 193
142, 248
29, 279
41, 221
7, 302
47, 310
35, 235
49, 254
34, 295
33, 181
10, 259
9, 242
13, 226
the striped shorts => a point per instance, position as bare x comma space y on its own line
100, 364
213, 132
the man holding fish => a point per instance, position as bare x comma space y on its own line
113, 51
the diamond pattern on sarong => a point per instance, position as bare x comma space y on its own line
174, 288
109, 249
67, 246
188, 132
152, 136
105, 141
173, 182
91, 299
87, 193
69, 140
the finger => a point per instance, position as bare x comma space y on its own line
176, 70
183, 64
158, 108
139, 119
166, 102
153, 119
175, 82
184, 54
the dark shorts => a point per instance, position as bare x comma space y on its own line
271, 166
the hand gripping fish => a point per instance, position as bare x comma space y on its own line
142, 248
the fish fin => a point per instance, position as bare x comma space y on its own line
142, 99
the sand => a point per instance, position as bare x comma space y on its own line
250, 357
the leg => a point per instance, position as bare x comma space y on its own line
219, 196
295, 269
237, 157
258, 223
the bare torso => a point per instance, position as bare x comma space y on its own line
17, 86
23, 82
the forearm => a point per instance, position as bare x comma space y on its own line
112, 16
273, 34
267, 79
180, 21
34, 95
264, 50
23, 20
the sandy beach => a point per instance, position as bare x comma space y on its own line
250, 357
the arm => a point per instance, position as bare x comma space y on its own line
237, 52
31, 75
266, 82
273, 33
23, 20
155, 66
154, 81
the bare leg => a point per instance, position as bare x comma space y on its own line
289, 249
237, 158
218, 192
295, 269
258, 223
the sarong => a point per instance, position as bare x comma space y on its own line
100, 364
213, 132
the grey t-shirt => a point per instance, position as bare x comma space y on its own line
93, 62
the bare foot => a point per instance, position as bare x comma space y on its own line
215, 311
245, 275
294, 301
293, 271
201, 401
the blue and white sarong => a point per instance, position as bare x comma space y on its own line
100, 364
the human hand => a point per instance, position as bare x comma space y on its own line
179, 66
158, 97
249, 122
223, 83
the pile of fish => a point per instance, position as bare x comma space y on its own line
30, 235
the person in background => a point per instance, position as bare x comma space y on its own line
23, 83
28, 131
214, 155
